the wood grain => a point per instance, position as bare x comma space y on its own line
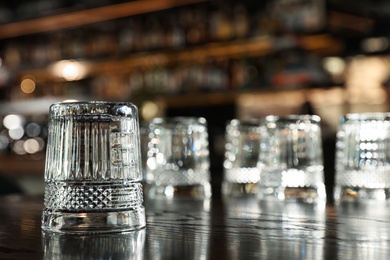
221, 228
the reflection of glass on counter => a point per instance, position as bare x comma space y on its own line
366, 230
302, 229
118, 246
172, 235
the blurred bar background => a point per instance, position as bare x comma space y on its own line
216, 59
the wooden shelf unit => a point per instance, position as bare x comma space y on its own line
88, 16
252, 47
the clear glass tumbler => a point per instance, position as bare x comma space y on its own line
242, 149
93, 169
125, 245
177, 162
291, 159
363, 158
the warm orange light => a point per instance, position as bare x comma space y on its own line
27, 85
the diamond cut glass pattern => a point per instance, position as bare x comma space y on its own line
93, 165
363, 157
177, 157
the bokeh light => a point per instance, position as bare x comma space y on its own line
33, 129
13, 121
334, 65
16, 133
27, 85
18, 147
70, 70
31, 146
4, 140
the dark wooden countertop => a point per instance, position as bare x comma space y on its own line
233, 228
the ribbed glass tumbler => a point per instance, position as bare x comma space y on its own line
363, 158
93, 169
291, 159
242, 148
177, 160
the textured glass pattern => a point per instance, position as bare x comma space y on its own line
292, 142
242, 150
93, 168
178, 152
93, 142
73, 197
291, 156
363, 155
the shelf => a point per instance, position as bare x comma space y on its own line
36, 106
22, 166
198, 99
89, 16
240, 97
253, 47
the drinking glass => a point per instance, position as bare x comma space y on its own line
177, 162
126, 245
291, 159
93, 169
242, 149
363, 157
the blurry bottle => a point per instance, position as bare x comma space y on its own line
12, 55
221, 24
241, 21
239, 75
39, 52
127, 35
197, 26
153, 34
53, 48
175, 37
162, 75
215, 77
264, 24
138, 33
77, 48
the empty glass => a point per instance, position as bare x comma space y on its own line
363, 158
93, 169
126, 245
177, 160
291, 159
242, 148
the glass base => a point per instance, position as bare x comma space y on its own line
239, 189
93, 222
201, 191
357, 194
125, 245
299, 194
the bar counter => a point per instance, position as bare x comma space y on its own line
219, 228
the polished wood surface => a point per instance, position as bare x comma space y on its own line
220, 228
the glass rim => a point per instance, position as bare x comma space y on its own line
245, 122
293, 118
93, 108
178, 120
365, 116
97, 102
